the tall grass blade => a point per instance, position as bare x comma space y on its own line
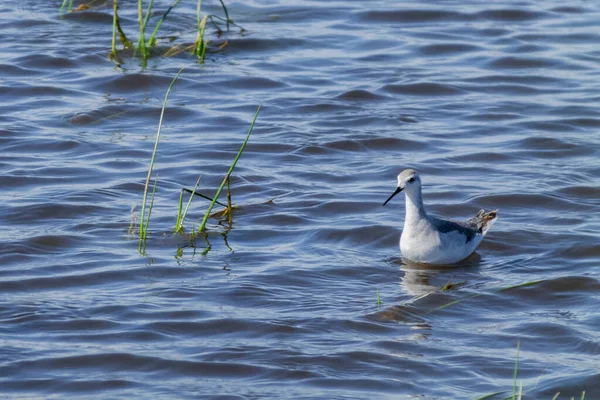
204, 196
62, 7
237, 157
226, 13
213, 17
124, 41
179, 227
229, 206
113, 49
152, 40
200, 44
556, 396
145, 233
583, 395
490, 395
142, 43
200, 49
515, 373
162, 113
179, 213
142, 22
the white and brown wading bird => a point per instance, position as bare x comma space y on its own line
429, 240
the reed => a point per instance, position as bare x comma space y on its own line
143, 21
200, 44
229, 205
517, 391
64, 4
152, 40
515, 374
233, 164
144, 230
145, 45
143, 223
204, 196
181, 214
113, 48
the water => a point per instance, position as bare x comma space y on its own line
496, 105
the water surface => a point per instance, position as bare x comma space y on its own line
497, 105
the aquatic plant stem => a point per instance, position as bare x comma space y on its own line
179, 212
113, 49
237, 157
204, 197
229, 206
145, 234
152, 40
162, 113
142, 21
226, 13
62, 7
200, 44
515, 373
179, 226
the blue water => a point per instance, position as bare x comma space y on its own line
497, 105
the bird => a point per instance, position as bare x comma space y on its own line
427, 239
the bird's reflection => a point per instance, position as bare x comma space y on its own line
420, 282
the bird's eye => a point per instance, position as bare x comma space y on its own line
411, 180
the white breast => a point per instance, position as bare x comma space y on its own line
423, 244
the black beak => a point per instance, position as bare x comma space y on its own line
398, 190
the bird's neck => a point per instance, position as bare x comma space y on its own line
414, 207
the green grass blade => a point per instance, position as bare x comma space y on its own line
515, 373
225, 12
524, 284
150, 209
556, 396
143, 21
490, 395
198, 8
187, 206
152, 40
237, 157
141, 43
224, 20
62, 7
148, 11
200, 44
113, 49
179, 213
583, 395
204, 196
229, 206
126, 42
162, 113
